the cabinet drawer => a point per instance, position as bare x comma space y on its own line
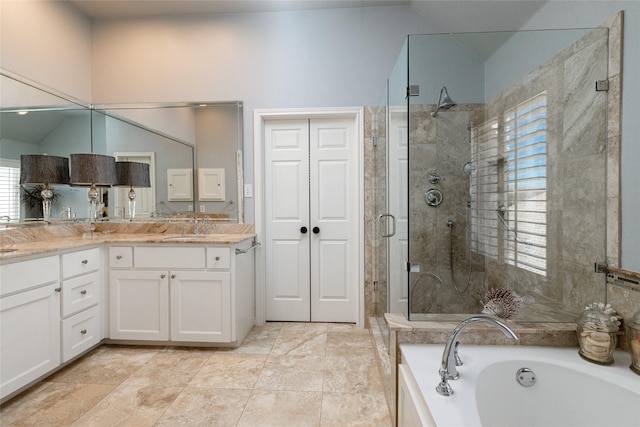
81, 332
23, 275
219, 258
169, 257
121, 257
80, 293
80, 262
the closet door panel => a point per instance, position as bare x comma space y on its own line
287, 215
334, 172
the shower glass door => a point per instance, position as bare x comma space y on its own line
485, 143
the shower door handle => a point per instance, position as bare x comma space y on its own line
393, 222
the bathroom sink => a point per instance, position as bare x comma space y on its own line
192, 238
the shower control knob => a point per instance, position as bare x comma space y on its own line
303, 230
433, 197
316, 230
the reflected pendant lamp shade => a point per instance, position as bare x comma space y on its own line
93, 169
132, 174
43, 169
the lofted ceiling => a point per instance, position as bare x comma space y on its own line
137, 8
445, 15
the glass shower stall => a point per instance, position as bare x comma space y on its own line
490, 164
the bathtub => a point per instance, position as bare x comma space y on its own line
567, 390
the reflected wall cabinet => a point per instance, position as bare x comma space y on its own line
179, 185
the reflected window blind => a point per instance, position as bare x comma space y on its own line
484, 188
525, 185
9, 189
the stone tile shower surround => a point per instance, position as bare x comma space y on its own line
375, 159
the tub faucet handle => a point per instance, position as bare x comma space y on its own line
443, 388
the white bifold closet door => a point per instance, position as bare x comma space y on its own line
311, 206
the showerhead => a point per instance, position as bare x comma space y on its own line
444, 101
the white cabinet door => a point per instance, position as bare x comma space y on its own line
179, 185
200, 306
30, 334
139, 305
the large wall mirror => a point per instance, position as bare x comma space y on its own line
194, 150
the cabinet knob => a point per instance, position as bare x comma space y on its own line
83, 332
85, 261
83, 292
173, 276
58, 289
118, 256
217, 258
316, 230
162, 276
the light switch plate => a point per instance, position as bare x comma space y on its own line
248, 190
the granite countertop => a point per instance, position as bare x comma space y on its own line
42, 246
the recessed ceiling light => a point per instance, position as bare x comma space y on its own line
23, 113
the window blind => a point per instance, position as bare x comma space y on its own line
525, 184
9, 189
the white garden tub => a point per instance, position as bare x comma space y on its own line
568, 391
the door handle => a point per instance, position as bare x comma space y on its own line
393, 223
303, 230
316, 230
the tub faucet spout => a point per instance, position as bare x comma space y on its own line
448, 369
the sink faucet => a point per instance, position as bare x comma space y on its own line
196, 226
448, 369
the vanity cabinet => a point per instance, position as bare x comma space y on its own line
29, 321
49, 314
181, 294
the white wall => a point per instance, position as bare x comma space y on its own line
48, 42
325, 58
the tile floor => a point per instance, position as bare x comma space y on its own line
284, 374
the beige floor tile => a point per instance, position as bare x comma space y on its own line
52, 404
230, 370
360, 338
343, 327
355, 410
282, 408
276, 378
170, 369
259, 341
206, 407
105, 365
297, 372
352, 370
304, 327
296, 342
135, 406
